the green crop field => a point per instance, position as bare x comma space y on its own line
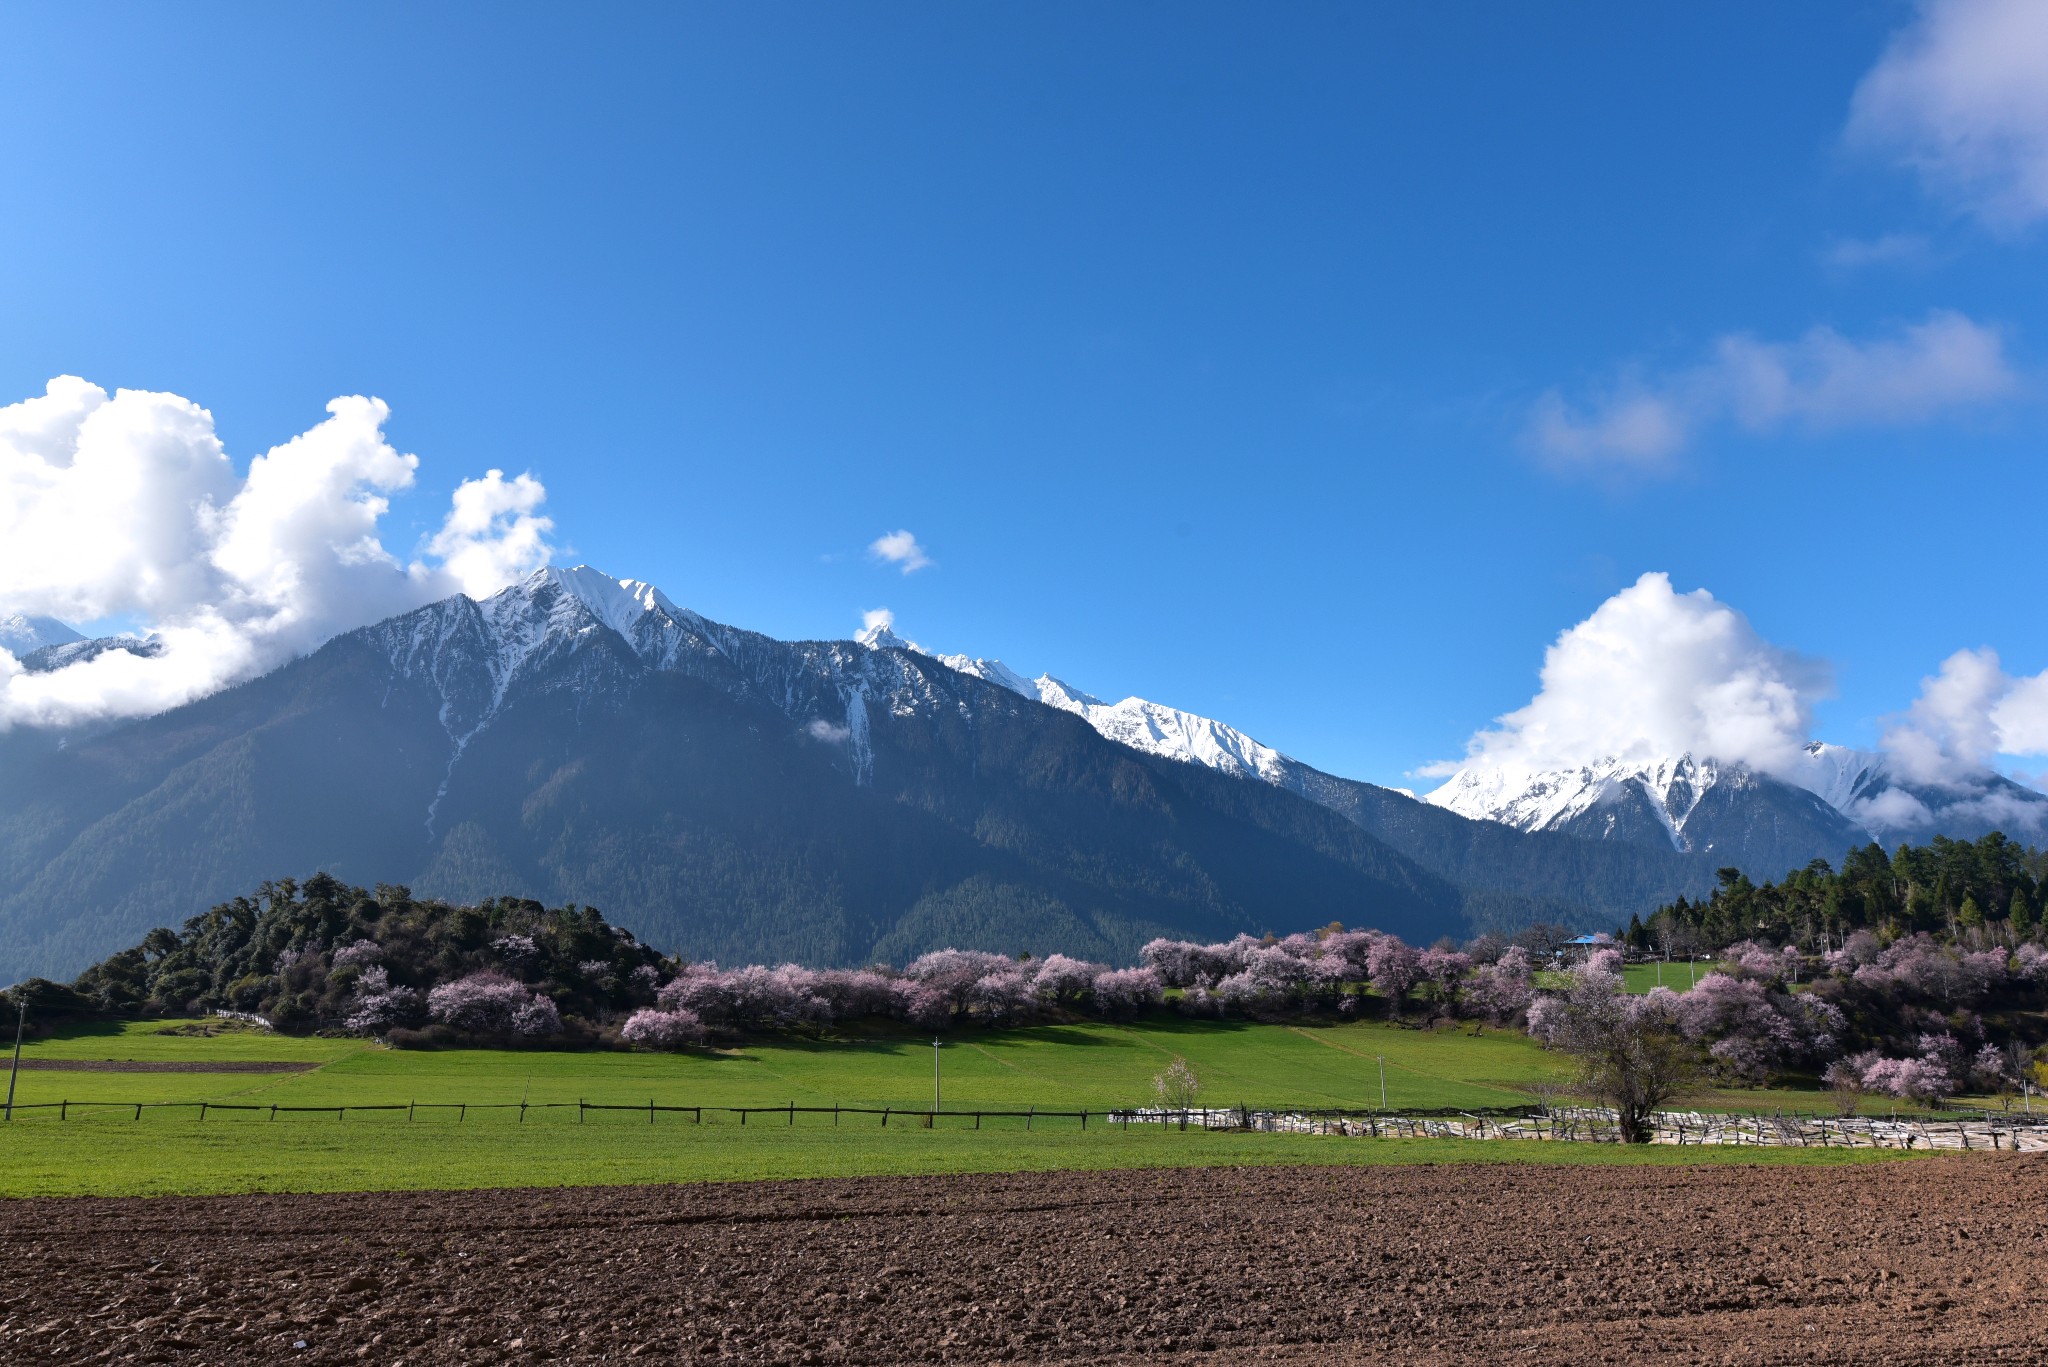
1056, 1067
110, 1157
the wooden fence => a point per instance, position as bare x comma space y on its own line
1983, 1131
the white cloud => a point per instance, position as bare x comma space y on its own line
1653, 673
493, 534
877, 619
1968, 713
899, 548
129, 507
829, 732
1889, 249
1961, 96
1820, 381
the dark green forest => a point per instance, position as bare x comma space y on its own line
1974, 893
306, 955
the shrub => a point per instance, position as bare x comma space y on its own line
1175, 1088
1126, 993
492, 1004
656, 1029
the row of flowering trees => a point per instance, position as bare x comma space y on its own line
1916, 1020
941, 990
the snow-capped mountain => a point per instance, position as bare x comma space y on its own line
580, 738
1829, 792
1149, 726
22, 632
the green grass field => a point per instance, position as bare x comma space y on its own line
1679, 977
1058, 1067
110, 1157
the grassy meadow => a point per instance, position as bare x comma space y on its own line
97, 1150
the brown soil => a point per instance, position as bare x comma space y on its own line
1936, 1261
129, 1065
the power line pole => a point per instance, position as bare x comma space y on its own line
935, 1074
19, 1021
1383, 1080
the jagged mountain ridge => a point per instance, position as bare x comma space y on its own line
1820, 798
21, 633
1509, 878
724, 793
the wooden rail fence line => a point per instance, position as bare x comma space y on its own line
1566, 1125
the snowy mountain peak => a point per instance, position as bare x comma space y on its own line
1555, 799
1659, 798
22, 632
1149, 726
620, 604
882, 636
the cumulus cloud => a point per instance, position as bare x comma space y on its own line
899, 548
829, 732
1820, 381
1967, 713
1654, 672
128, 507
877, 619
1961, 97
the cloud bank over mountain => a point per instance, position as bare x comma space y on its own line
127, 507
1654, 673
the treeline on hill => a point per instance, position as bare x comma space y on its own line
321, 955
1974, 894
1887, 1009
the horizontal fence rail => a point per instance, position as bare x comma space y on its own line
1983, 1131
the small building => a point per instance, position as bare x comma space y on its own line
1583, 947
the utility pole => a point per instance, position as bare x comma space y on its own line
935, 1074
1383, 1080
19, 1021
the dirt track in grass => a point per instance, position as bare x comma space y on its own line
1935, 1261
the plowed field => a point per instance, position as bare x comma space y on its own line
1935, 1261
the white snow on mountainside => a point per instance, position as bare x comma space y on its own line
20, 633
1858, 784
1149, 726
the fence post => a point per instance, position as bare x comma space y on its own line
273, 1110
792, 1115
743, 1116
579, 1112
522, 1113
462, 1112
1028, 1115
650, 1110
63, 1109
699, 1115
138, 1110
410, 1104
1084, 1120
835, 1115
202, 1113
885, 1117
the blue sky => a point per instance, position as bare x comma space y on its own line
1205, 349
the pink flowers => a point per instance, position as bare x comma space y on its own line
1122, 993
1910, 1079
652, 1028
493, 1004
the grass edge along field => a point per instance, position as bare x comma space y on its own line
1069, 1066
247, 1153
